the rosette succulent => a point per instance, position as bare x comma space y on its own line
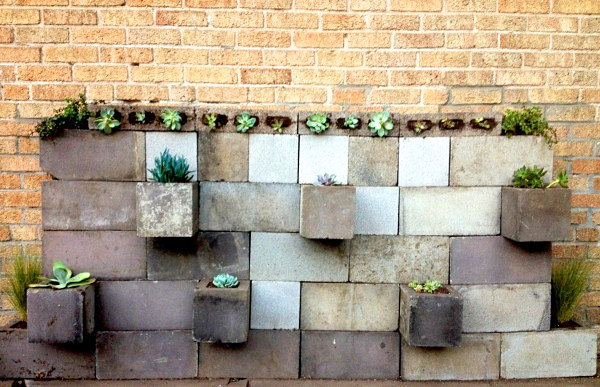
64, 278
225, 281
244, 122
317, 123
351, 122
172, 119
327, 180
107, 122
381, 124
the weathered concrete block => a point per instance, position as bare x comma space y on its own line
478, 358
492, 160
267, 354
146, 355
327, 212
377, 210
221, 315
350, 355
557, 353
64, 316
450, 211
178, 143
204, 256
273, 158
249, 207
349, 307
398, 259
431, 320
223, 156
536, 215
505, 308
323, 154
82, 155
275, 305
144, 305
105, 254
289, 257
167, 210
497, 260
423, 162
88, 205
373, 161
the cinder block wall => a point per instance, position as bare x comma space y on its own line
404, 55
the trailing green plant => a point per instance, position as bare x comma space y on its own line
225, 281
73, 116
481, 122
427, 287
562, 179
245, 122
317, 122
25, 270
172, 119
277, 125
327, 180
140, 117
381, 123
528, 121
211, 120
569, 281
533, 177
351, 122
64, 278
170, 169
107, 121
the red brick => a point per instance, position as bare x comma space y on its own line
10, 216
154, 36
568, 251
367, 77
334, 58
524, 41
448, 22
394, 96
419, 40
369, 40
579, 42
288, 58
394, 22
181, 55
301, 95
20, 54
10, 181
317, 77
20, 199
98, 35
29, 145
121, 17
416, 77
242, 19
139, 92
208, 38
156, 74
266, 4
587, 234
222, 94
154, 3
126, 55
236, 57
588, 166
100, 73
324, 5
211, 3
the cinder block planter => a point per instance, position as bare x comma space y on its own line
221, 315
65, 316
167, 209
536, 215
327, 212
431, 320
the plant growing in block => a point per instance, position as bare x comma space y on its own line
221, 310
430, 315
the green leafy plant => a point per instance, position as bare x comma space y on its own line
107, 121
277, 125
420, 126
569, 280
533, 177
448, 123
73, 116
172, 119
140, 117
64, 278
225, 281
381, 123
170, 169
427, 287
528, 121
245, 122
317, 123
351, 122
481, 122
25, 270
561, 179
211, 120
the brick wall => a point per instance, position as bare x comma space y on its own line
404, 55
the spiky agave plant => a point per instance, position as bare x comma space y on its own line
25, 270
170, 169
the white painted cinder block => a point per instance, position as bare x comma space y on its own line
273, 158
323, 154
376, 210
275, 305
423, 162
179, 143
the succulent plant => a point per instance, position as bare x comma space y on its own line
277, 125
170, 169
481, 122
317, 122
427, 287
448, 123
381, 123
529, 177
245, 122
528, 121
225, 281
140, 117
211, 120
73, 116
172, 119
561, 179
351, 122
420, 126
64, 278
107, 122
327, 180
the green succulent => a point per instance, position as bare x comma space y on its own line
245, 122
170, 169
482, 123
73, 116
64, 278
529, 177
211, 120
225, 281
448, 123
420, 126
561, 179
427, 287
140, 117
277, 125
172, 119
528, 121
107, 122
351, 122
381, 123
317, 122
327, 180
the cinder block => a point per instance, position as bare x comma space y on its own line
153, 122
178, 143
478, 358
505, 308
249, 207
146, 355
289, 257
323, 154
350, 355
554, 354
275, 305
349, 307
398, 259
423, 162
327, 212
82, 155
492, 160
267, 354
88, 205
223, 156
450, 211
497, 260
204, 256
273, 158
377, 210
373, 161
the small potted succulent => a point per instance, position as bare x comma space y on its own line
278, 123
327, 209
483, 123
168, 206
221, 310
142, 117
350, 122
381, 124
532, 212
245, 122
318, 123
108, 121
451, 124
419, 126
430, 314
214, 120
173, 119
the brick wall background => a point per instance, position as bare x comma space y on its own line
403, 55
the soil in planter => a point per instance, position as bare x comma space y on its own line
149, 118
451, 124
488, 121
568, 324
19, 325
412, 125
211, 285
340, 124
441, 290
219, 123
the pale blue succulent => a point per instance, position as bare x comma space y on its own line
225, 281
381, 124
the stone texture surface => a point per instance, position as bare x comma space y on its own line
178, 144
273, 158
534, 215
350, 355
492, 160
505, 308
167, 210
223, 156
88, 205
558, 353
377, 210
423, 162
373, 161
289, 257
497, 260
82, 155
349, 307
105, 254
267, 354
398, 259
144, 305
275, 305
478, 358
204, 256
327, 212
323, 154
146, 355
249, 207
450, 211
